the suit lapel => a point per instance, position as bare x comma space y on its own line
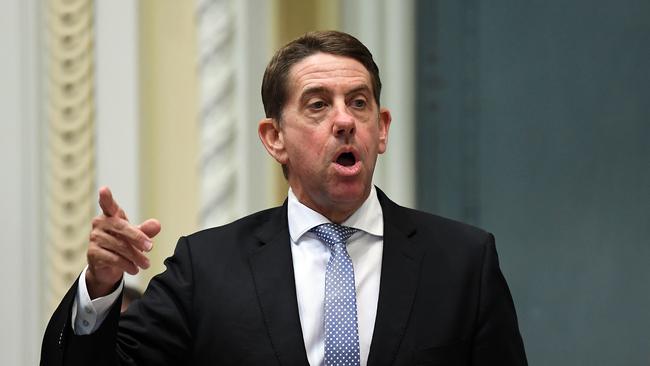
272, 269
399, 278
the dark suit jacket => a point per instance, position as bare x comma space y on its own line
228, 298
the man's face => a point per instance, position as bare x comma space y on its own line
330, 134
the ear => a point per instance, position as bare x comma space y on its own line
271, 135
384, 124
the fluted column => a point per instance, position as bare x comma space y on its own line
70, 143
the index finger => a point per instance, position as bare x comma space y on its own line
109, 207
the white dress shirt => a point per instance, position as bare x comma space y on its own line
310, 257
88, 315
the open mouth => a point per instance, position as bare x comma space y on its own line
346, 159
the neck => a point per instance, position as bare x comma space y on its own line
336, 212
339, 217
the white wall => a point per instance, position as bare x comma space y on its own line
116, 96
117, 100
387, 28
252, 52
20, 194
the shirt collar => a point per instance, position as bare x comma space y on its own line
368, 218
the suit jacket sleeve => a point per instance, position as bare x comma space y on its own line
497, 340
154, 331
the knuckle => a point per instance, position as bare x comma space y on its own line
119, 224
114, 260
96, 221
94, 236
91, 256
124, 245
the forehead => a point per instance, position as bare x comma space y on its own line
323, 69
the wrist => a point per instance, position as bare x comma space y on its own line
97, 288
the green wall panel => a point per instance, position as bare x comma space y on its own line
534, 123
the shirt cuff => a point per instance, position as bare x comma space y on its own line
88, 315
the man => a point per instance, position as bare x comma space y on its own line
289, 285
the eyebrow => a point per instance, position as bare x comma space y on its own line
320, 90
360, 89
312, 91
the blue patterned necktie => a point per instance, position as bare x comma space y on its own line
341, 326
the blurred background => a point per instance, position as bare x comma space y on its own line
529, 119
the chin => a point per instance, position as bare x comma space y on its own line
349, 193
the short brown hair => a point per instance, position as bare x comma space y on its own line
274, 83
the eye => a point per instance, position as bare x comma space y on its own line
317, 105
359, 103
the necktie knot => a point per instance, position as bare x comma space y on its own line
333, 234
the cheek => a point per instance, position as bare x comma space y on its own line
371, 141
306, 148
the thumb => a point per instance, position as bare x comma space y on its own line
150, 227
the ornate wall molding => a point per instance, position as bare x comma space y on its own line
70, 198
218, 122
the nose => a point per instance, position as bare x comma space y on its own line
344, 123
